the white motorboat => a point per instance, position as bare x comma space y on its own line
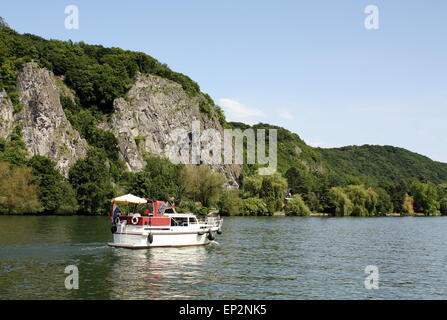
153, 223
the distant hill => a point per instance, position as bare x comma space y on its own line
291, 148
96, 86
383, 163
380, 165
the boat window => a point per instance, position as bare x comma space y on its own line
169, 210
179, 222
192, 220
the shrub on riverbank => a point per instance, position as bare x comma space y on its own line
296, 207
229, 202
254, 207
18, 191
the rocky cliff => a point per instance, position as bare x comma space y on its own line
6, 115
151, 110
46, 130
142, 120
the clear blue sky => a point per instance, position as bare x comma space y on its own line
309, 66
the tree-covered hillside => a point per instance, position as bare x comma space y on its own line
97, 74
349, 181
291, 148
385, 164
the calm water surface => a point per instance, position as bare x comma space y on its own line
255, 258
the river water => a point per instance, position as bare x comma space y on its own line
255, 258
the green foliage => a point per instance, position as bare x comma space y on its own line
425, 197
291, 148
188, 206
443, 206
364, 201
229, 202
220, 115
300, 180
297, 207
408, 205
384, 164
254, 207
18, 191
340, 202
14, 150
55, 193
158, 180
86, 121
252, 185
205, 108
97, 74
384, 203
201, 183
273, 190
397, 191
91, 180
355, 200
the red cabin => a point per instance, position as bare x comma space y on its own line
152, 214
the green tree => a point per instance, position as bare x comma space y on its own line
443, 206
18, 191
340, 203
14, 150
254, 207
312, 201
425, 197
297, 207
397, 192
408, 205
55, 193
90, 178
229, 202
273, 190
160, 180
384, 203
300, 180
201, 183
252, 185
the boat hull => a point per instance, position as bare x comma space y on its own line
159, 239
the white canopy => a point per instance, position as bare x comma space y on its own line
129, 198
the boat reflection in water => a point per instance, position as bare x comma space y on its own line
159, 273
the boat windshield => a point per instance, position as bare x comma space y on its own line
131, 209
